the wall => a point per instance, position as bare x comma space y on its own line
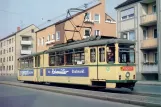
106, 29
27, 32
44, 33
8, 54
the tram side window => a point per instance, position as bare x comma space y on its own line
22, 64
56, 59
30, 62
79, 56
52, 59
59, 58
102, 54
126, 55
111, 55
37, 61
93, 55
69, 57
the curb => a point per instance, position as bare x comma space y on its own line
126, 101
148, 84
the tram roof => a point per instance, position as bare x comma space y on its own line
93, 41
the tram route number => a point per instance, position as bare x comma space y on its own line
127, 68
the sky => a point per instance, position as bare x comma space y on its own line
14, 13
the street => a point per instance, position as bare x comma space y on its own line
22, 97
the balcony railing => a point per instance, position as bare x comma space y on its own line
149, 19
149, 43
26, 52
23, 42
150, 68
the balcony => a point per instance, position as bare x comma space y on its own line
50, 42
149, 43
149, 20
150, 68
26, 42
26, 52
88, 21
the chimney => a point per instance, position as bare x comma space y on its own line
18, 28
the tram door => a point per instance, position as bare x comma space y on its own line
38, 69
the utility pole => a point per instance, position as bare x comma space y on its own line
158, 2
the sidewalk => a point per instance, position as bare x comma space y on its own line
149, 83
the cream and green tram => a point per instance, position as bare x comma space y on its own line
108, 63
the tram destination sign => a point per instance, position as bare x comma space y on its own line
26, 73
73, 72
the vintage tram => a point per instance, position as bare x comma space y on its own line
95, 61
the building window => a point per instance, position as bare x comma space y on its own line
12, 49
156, 58
97, 32
87, 16
93, 55
155, 33
128, 35
9, 49
9, 68
3, 59
9, 41
53, 37
154, 8
87, 32
4, 51
145, 57
48, 38
97, 18
9, 58
145, 36
42, 41
32, 30
12, 58
12, 67
58, 35
127, 14
102, 54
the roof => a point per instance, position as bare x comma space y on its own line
127, 2
94, 41
66, 19
15, 33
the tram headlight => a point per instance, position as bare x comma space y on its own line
127, 74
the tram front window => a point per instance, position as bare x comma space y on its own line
126, 54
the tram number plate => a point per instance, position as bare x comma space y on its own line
127, 68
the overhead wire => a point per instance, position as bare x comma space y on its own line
57, 17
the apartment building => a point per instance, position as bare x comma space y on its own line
137, 21
15, 45
88, 22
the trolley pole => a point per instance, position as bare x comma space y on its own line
158, 2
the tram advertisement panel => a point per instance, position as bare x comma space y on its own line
76, 72
26, 72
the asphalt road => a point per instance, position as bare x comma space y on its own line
138, 87
22, 97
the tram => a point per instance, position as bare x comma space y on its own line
95, 61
